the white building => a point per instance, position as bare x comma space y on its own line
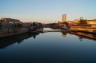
64, 18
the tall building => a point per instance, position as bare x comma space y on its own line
64, 18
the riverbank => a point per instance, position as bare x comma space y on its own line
38, 47
11, 32
10, 29
83, 29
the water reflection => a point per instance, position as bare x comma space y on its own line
4, 42
82, 35
64, 34
7, 41
49, 47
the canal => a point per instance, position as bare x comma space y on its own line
49, 47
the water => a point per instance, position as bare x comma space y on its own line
49, 47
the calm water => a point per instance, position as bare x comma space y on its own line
49, 47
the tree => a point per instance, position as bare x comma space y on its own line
82, 21
34, 23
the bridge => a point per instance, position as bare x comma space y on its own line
51, 31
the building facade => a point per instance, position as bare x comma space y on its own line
71, 23
9, 20
91, 22
64, 18
76, 20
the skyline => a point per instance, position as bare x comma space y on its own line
47, 10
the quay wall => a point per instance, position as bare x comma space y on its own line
13, 31
83, 28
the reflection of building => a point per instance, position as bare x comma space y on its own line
7, 41
9, 20
64, 34
82, 35
64, 18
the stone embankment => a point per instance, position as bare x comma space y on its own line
10, 29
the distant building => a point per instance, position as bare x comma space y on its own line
9, 20
91, 22
64, 18
72, 23
1, 21
76, 20
60, 24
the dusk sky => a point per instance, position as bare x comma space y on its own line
47, 10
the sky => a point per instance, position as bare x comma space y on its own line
47, 11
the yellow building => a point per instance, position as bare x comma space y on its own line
76, 20
91, 22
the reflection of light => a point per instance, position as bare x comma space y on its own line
64, 35
86, 35
48, 29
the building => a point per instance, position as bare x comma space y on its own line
1, 21
64, 18
71, 23
91, 22
76, 20
9, 20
